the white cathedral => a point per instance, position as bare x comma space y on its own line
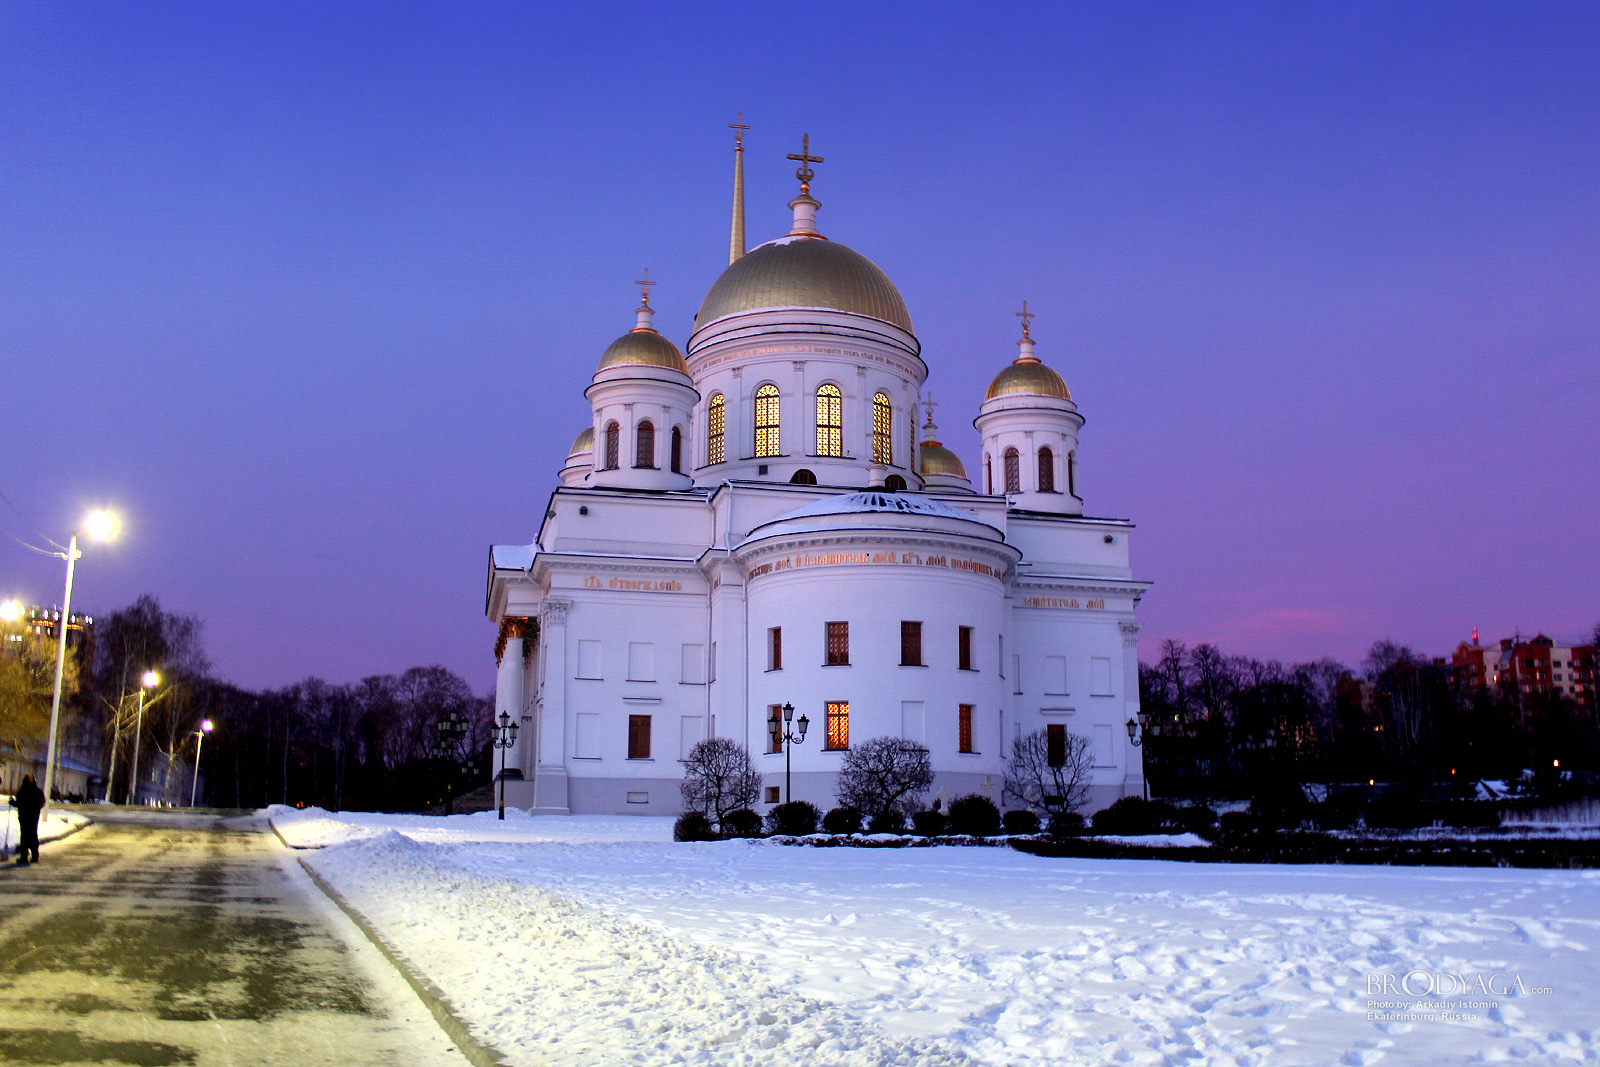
752, 522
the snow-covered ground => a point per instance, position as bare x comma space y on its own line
593, 941
55, 824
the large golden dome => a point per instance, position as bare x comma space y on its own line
805, 272
584, 442
1028, 377
937, 459
643, 348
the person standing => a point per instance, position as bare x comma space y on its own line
29, 801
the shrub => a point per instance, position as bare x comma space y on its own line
1467, 814
1043, 780
718, 778
885, 775
692, 826
741, 822
890, 822
1065, 824
1279, 804
1135, 815
797, 817
1020, 822
1396, 813
1237, 824
928, 823
974, 814
1197, 820
1335, 814
841, 821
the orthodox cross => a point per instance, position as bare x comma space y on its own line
930, 404
738, 127
804, 172
1025, 315
644, 292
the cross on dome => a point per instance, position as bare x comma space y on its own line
646, 312
804, 171
1025, 315
644, 292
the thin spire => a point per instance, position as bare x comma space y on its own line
736, 238
646, 312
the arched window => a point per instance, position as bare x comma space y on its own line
677, 450
1072, 473
830, 421
644, 453
803, 477
767, 420
613, 445
1047, 471
716, 413
882, 413
988, 475
1013, 471
894, 483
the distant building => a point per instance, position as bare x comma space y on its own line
76, 774
1527, 672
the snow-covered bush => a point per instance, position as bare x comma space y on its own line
1136, 815
883, 775
974, 814
741, 822
692, 826
841, 821
797, 817
928, 823
1065, 824
890, 822
1045, 780
718, 778
1020, 821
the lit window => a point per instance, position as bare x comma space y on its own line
964, 727
1047, 471
767, 420
882, 447
613, 445
838, 644
638, 737
716, 413
838, 724
1013, 471
910, 644
774, 735
644, 454
830, 424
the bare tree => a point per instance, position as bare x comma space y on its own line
884, 775
1047, 785
718, 778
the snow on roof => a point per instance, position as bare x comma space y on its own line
877, 501
511, 557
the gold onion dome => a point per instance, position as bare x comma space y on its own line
643, 348
584, 442
937, 459
805, 272
1028, 377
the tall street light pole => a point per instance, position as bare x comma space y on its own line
502, 736
148, 680
200, 739
99, 526
783, 735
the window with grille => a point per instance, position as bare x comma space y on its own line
1055, 737
638, 737
803, 477
767, 420
964, 727
774, 735
716, 415
644, 453
677, 450
882, 414
1013, 471
838, 644
1047, 471
910, 644
775, 648
613, 445
830, 421
964, 648
895, 484
838, 724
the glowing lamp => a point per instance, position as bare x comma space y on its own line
100, 525
10, 611
150, 679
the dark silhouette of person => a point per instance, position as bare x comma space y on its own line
29, 801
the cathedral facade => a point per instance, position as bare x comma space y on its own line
754, 521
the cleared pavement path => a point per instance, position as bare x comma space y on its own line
167, 938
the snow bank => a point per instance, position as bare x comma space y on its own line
316, 828
1154, 840
54, 825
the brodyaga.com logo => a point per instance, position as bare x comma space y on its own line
1421, 983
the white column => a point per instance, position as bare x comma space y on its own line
1133, 776
550, 775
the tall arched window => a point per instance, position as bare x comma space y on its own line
1047, 471
830, 421
988, 475
767, 420
613, 445
882, 413
644, 453
1072, 473
1013, 471
716, 416
677, 450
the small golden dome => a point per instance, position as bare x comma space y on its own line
805, 272
1028, 377
643, 348
937, 459
584, 442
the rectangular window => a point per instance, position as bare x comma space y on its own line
638, 798
774, 740
775, 649
691, 731
586, 745
911, 720
838, 725
588, 659
964, 648
910, 644
1056, 743
838, 644
1100, 676
772, 794
638, 737
1055, 676
641, 661
964, 727
1016, 673
694, 664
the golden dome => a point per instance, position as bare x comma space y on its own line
1028, 377
584, 442
643, 348
937, 459
809, 272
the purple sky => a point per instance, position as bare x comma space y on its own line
311, 292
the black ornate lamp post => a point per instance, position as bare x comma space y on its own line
783, 735
1137, 732
503, 734
452, 728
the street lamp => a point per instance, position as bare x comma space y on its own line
10, 611
502, 736
148, 680
452, 728
784, 736
1137, 732
99, 526
206, 727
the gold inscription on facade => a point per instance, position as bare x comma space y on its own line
1062, 602
903, 559
633, 585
